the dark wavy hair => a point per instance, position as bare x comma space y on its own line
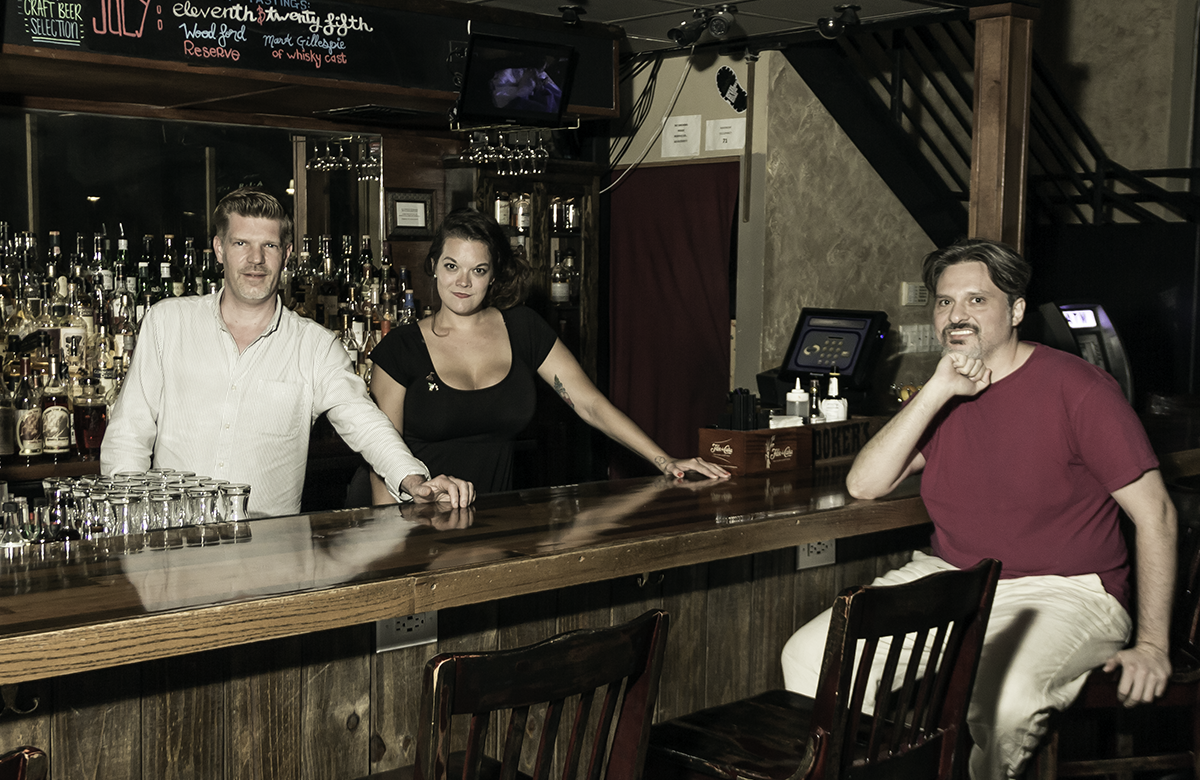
1008, 270
510, 274
252, 202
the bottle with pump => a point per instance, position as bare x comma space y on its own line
834, 406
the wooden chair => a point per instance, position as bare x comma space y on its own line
604, 681
24, 763
914, 733
1098, 700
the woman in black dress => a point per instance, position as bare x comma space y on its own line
460, 385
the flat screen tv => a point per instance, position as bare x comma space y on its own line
512, 82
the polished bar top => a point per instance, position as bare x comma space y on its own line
103, 604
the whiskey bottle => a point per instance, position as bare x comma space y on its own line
29, 416
8, 425
56, 415
211, 276
560, 282
193, 282
169, 275
833, 406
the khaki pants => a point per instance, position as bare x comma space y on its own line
1044, 635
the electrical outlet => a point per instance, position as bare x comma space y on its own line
407, 631
813, 554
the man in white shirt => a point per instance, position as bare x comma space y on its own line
229, 384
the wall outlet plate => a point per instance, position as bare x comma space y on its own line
814, 554
407, 631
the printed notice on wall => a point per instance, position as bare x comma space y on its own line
681, 136
724, 135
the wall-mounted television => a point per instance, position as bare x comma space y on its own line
513, 82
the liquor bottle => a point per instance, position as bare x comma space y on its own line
833, 406
29, 415
105, 364
408, 312
301, 281
8, 425
502, 208
192, 281
325, 286
91, 419
65, 313
211, 275
56, 265
522, 217
124, 330
368, 276
125, 268
56, 415
145, 285
101, 268
46, 322
168, 271
815, 415
568, 257
560, 282
386, 304
349, 339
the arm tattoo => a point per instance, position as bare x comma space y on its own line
661, 463
562, 392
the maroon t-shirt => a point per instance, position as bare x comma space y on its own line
1024, 472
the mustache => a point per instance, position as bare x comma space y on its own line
946, 330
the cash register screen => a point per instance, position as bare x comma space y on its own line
839, 340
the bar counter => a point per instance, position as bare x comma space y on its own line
115, 602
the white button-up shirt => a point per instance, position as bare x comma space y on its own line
192, 402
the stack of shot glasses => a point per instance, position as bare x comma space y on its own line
129, 512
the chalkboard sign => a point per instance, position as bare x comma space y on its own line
302, 37
280, 36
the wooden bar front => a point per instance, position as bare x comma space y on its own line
255, 657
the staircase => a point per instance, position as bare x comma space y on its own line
1096, 230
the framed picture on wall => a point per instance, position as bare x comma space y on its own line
409, 214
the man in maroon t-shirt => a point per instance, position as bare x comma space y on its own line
1027, 454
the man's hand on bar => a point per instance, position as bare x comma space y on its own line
441, 489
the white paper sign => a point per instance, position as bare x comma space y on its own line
724, 135
681, 136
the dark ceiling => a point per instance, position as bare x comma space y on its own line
646, 22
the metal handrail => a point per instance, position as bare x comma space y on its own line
1071, 176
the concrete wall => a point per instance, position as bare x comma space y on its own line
820, 230
1128, 67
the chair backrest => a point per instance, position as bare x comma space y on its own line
604, 680
24, 763
936, 626
1185, 620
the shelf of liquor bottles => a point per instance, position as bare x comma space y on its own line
552, 219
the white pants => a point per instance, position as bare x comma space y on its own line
1044, 635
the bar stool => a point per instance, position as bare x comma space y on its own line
601, 684
918, 731
24, 763
1098, 700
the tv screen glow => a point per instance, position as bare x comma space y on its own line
507, 81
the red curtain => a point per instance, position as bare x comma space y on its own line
670, 256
